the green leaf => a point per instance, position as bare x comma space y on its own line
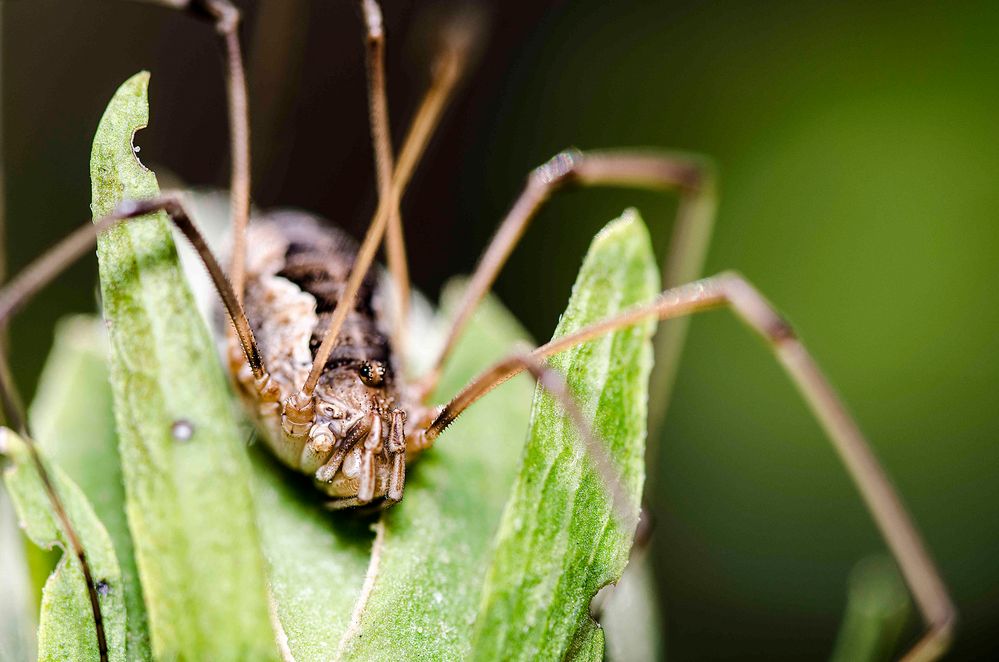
317, 559
188, 499
588, 644
40, 563
559, 541
66, 625
432, 549
73, 421
876, 609
337, 590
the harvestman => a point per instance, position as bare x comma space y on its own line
322, 382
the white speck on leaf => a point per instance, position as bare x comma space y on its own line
182, 430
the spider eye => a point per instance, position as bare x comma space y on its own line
372, 374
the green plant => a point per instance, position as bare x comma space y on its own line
220, 543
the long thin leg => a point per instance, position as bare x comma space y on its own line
381, 138
76, 546
227, 19
733, 291
684, 263
10, 398
554, 384
299, 408
15, 418
42, 271
692, 177
50, 264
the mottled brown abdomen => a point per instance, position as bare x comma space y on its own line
318, 259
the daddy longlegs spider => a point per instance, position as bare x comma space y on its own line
344, 413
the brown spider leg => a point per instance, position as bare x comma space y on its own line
30, 280
14, 416
20, 289
50, 264
226, 17
44, 269
299, 409
13, 410
692, 177
733, 291
381, 138
76, 546
554, 384
10, 398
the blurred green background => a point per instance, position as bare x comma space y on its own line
858, 157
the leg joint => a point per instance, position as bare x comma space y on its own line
168, 202
755, 310
695, 174
561, 169
373, 21
225, 14
779, 330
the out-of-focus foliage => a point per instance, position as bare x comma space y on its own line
66, 621
73, 420
876, 608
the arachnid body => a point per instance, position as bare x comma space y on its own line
296, 272
314, 341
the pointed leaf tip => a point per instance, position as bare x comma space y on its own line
558, 541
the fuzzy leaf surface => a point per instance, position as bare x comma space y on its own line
432, 549
559, 541
189, 504
316, 559
66, 628
73, 419
428, 563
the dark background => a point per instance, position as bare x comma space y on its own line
858, 153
